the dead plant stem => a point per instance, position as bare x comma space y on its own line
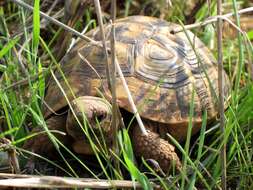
221, 95
53, 20
210, 20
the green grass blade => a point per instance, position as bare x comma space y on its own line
200, 147
188, 138
41, 81
8, 46
241, 54
36, 26
126, 147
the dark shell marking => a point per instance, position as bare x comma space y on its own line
162, 71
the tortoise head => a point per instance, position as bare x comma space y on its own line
89, 116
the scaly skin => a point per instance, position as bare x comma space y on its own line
97, 112
152, 146
41, 143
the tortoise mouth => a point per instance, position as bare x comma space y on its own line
91, 126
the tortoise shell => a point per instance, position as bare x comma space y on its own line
163, 72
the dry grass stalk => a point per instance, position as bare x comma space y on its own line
211, 20
102, 33
221, 94
113, 82
53, 20
32, 181
130, 99
5, 145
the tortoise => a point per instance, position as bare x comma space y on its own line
165, 73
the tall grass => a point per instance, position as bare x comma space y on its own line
23, 57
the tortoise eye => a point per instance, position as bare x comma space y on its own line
100, 117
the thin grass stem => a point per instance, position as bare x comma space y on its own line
221, 95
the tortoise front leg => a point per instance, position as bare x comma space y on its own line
152, 146
41, 143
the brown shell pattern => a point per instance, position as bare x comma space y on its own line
163, 71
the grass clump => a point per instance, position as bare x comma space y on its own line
27, 57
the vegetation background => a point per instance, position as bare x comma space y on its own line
30, 46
